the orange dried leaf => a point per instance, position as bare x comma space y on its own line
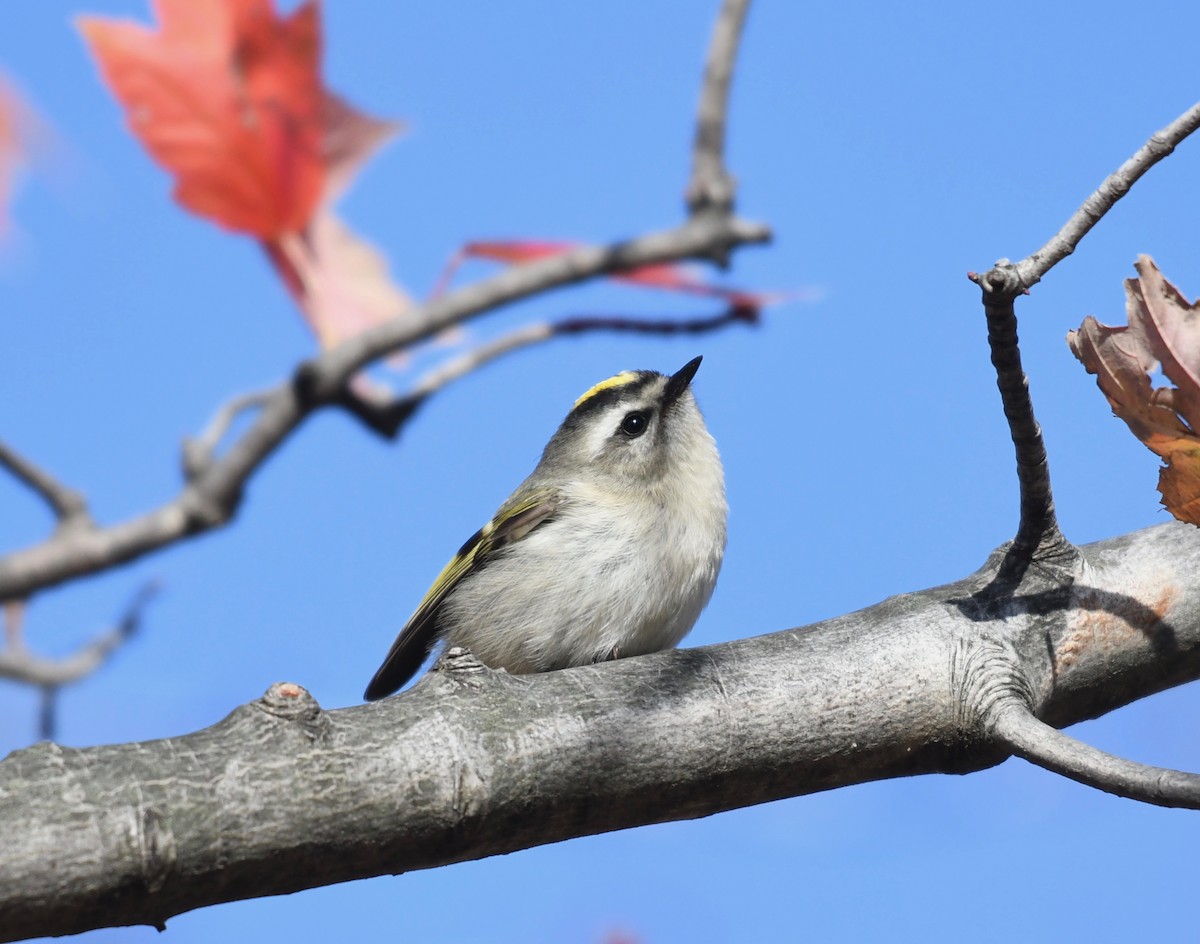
227, 96
1163, 331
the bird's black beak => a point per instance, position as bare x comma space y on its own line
679, 381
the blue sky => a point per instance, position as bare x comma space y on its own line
893, 147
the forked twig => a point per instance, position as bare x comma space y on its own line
388, 418
18, 664
198, 453
68, 505
1038, 532
711, 187
212, 495
1031, 269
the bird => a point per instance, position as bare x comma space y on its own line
610, 548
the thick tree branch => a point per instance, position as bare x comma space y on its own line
14, 624
711, 188
282, 795
1037, 742
1031, 269
68, 505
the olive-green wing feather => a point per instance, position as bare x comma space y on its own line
513, 521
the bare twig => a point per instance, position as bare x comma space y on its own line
1038, 532
212, 496
198, 452
388, 418
711, 187
1018, 729
707, 238
453, 264
14, 624
68, 505
48, 713
734, 314
1038, 529
20, 665
1031, 269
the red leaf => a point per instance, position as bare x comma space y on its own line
666, 276
227, 96
350, 138
340, 282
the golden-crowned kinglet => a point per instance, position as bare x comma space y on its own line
610, 548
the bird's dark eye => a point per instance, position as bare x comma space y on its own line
634, 424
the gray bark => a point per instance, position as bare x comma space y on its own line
282, 795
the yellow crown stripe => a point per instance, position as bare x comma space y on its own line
626, 376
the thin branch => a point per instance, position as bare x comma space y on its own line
1115, 186
702, 239
1018, 729
20, 665
68, 506
211, 498
734, 314
14, 624
388, 418
453, 264
1038, 532
198, 452
711, 187
48, 713
1038, 529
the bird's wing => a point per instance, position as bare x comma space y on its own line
511, 523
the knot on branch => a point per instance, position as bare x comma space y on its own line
986, 677
460, 660
711, 192
156, 849
383, 416
291, 702
458, 666
75, 517
195, 458
1038, 574
1000, 284
203, 511
306, 383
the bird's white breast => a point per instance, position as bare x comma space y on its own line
629, 573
